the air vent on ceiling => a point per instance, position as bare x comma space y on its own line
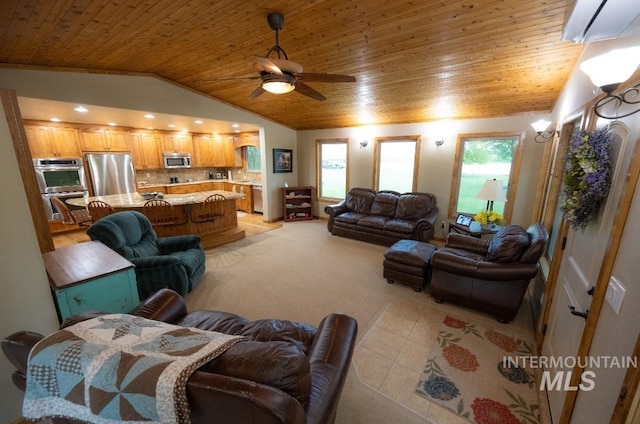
594, 20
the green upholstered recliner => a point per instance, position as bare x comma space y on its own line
176, 262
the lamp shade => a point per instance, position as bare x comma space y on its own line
540, 126
612, 68
278, 87
492, 190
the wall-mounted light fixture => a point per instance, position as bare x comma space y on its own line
363, 144
542, 134
439, 142
608, 71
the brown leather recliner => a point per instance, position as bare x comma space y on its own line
288, 372
489, 276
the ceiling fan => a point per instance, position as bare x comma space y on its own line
279, 75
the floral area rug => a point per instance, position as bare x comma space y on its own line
468, 374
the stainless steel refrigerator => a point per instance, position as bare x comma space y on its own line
111, 173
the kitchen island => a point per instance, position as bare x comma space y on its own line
212, 233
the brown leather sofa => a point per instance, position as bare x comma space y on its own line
489, 276
288, 372
383, 217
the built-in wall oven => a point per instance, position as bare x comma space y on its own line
59, 177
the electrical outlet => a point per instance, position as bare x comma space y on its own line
443, 224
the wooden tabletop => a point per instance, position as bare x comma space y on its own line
81, 262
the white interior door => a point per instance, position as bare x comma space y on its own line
579, 269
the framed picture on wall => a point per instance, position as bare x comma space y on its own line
282, 160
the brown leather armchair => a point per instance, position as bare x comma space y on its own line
488, 275
287, 372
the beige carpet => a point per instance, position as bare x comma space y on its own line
301, 272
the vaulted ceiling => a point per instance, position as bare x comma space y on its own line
414, 61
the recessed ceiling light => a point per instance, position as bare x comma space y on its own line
55, 119
235, 126
81, 109
149, 116
112, 124
171, 125
198, 121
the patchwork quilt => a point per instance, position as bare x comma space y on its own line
118, 369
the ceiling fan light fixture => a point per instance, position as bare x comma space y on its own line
278, 87
278, 84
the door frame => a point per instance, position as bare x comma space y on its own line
545, 213
601, 283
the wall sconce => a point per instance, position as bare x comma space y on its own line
363, 144
607, 72
542, 135
439, 142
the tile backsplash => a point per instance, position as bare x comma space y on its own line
163, 176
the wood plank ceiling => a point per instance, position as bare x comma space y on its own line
414, 61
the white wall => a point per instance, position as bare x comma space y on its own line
436, 163
615, 334
26, 301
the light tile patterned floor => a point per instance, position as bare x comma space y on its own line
391, 355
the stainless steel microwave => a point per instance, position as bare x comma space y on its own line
177, 160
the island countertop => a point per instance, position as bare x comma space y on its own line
135, 200
212, 232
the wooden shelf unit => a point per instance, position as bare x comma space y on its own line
297, 203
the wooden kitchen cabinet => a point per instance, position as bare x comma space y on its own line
90, 276
152, 188
223, 152
202, 150
176, 142
47, 141
104, 140
145, 150
183, 188
212, 151
245, 203
208, 186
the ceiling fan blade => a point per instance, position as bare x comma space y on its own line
325, 77
262, 64
258, 91
303, 88
287, 65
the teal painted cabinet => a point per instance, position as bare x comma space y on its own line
90, 277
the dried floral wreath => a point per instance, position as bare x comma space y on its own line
587, 178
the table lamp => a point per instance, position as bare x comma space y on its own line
492, 191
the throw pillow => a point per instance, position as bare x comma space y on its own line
508, 244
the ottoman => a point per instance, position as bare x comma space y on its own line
407, 261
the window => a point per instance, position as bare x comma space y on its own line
332, 168
479, 158
396, 163
252, 158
